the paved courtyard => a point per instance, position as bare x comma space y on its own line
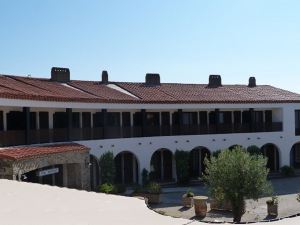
285, 188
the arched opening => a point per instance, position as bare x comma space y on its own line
127, 171
272, 153
295, 156
94, 173
162, 165
197, 166
235, 146
51, 175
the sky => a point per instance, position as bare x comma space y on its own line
183, 41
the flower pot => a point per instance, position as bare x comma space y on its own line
187, 201
200, 206
272, 209
152, 198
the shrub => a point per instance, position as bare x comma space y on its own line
287, 171
112, 188
254, 150
273, 201
189, 193
236, 175
216, 153
107, 167
145, 177
182, 166
107, 188
153, 188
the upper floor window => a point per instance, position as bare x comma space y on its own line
297, 122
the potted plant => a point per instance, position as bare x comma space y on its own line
187, 199
151, 192
272, 205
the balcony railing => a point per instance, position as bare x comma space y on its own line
18, 137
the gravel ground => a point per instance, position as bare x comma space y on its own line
285, 188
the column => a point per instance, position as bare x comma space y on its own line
5, 120
26, 112
69, 126
144, 120
37, 120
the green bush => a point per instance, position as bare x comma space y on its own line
254, 150
182, 166
153, 188
216, 153
107, 167
287, 171
112, 188
107, 188
189, 193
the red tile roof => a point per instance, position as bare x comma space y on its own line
17, 87
23, 152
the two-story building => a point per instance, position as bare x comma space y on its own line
54, 130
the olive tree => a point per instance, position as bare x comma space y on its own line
235, 175
107, 168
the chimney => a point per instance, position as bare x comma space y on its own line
152, 79
252, 82
104, 77
214, 81
61, 75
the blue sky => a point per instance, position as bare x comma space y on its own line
184, 41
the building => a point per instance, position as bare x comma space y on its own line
54, 130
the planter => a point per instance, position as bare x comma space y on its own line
272, 209
187, 201
200, 206
149, 198
220, 205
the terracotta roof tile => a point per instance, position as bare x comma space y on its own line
22, 152
17, 87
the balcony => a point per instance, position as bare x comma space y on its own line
18, 137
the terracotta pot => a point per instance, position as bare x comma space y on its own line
152, 198
187, 201
272, 209
200, 206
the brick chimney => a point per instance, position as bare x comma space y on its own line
214, 81
59, 74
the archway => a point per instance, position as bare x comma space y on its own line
127, 171
272, 153
197, 156
162, 165
295, 156
94, 173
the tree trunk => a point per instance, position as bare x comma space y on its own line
238, 209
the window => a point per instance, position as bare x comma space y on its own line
86, 120
44, 120
189, 118
113, 119
126, 119
75, 120
152, 119
297, 122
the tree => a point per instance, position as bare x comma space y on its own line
235, 175
182, 166
107, 168
254, 150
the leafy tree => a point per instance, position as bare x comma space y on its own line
182, 166
107, 167
254, 150
235, 175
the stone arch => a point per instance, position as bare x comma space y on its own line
295, 156
94, 173
197, 156
127, 168
161, 165
271, 151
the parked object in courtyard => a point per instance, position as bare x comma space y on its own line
187, 199
200, 206
272, 205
